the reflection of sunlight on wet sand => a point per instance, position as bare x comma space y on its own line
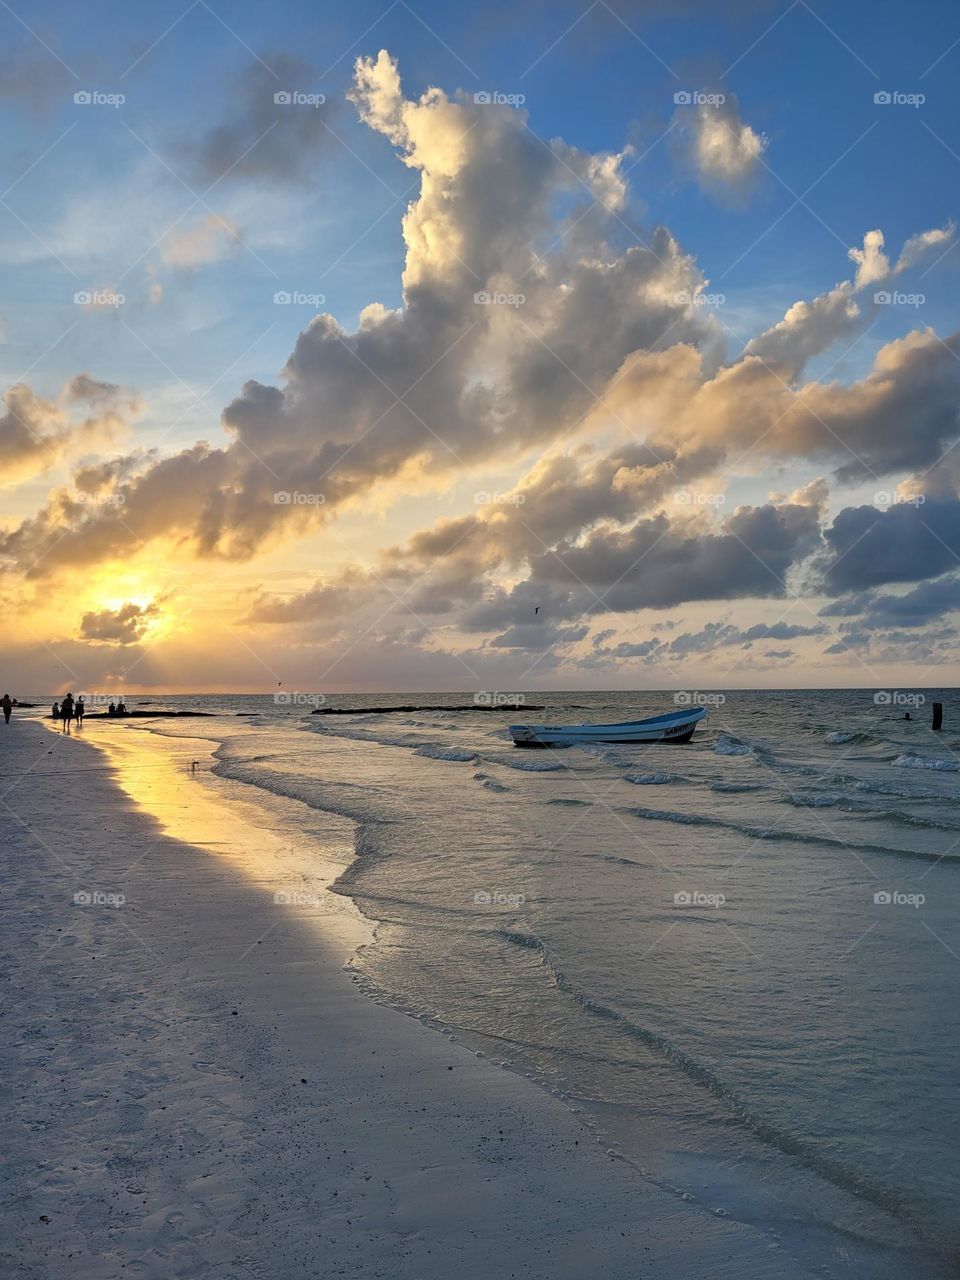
199, 809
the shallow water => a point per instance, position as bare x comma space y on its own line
740, 957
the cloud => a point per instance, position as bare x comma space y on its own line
525, 332
873, 265
919, 246
810, 328
925, 603
262, 139
123, 626
718, 146
30, 77
530, 636
868, 547
36, 433
807, 329
443, 382
206, 242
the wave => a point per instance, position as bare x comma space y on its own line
569, 801
539, 765
911, 761
410, 708
872, 787
914, 820
490, 783
706, 1078
729, 746
812, 800
791, 837
735, 788
433, 752
356, 735
839, 739
652, 779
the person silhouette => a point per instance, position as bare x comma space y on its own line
7, 705
55, 711
66, 712
79, 709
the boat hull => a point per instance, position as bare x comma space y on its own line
676, 727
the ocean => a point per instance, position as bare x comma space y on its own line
738, 959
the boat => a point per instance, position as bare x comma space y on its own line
675, 726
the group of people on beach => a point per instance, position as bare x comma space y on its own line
73, 709
69, 709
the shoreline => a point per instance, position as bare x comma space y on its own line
224, 1018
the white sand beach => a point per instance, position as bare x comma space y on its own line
196, 1088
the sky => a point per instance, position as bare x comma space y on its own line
395, 346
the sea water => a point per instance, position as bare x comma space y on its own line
739, 959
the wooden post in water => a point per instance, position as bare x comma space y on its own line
937, 722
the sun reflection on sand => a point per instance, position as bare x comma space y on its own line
170, 779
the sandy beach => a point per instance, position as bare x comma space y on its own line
198, 1089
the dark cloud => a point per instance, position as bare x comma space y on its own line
532, 636
925, 603
31, 78
655, 565
122, 626
717, 635
906, 542
262, 139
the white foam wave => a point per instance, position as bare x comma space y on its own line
927, 762
433, 752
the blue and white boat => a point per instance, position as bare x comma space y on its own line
675, 726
